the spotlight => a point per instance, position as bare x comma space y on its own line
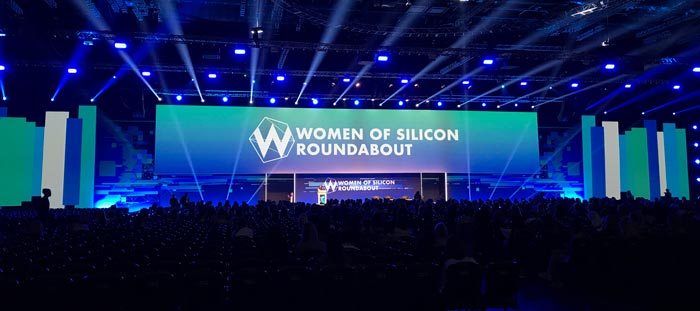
146, 73
239, 51
696, 145
256, 30
488, 61
314, 101
610, 66
114, 77
465, 82
401, 103
212, 76
357, 85
697, 161
643, 113
382, 58
280, 78
516, 105
695, 127
532, 107
676, 87
160, 99
346, 80
627, 86
203, 100
224, 99
2, 34
179, 97
2, 68
483, 104
503, 86
272, 100
674, 113
439, 104
605, 112
404, 81
574, 85
356, 102
523, 83
92, 100
120, 45
4, 98
72, 70
697, 179
53, 99
696, 69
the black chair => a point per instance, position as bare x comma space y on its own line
295, 287
339, 288
249, 289
462, 286
419, 283
378, 287
501, 285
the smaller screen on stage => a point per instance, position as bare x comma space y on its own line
356, 186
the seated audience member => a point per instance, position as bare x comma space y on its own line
309, 244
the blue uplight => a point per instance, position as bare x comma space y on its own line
439, 104
239, 51
356, 102
483, 104
72, 70
382, 58
120, 45
696, 145
610, 66
488, 61
697, 161
179, 97
273, 100
314, 101
224, 99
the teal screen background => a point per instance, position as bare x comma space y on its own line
215, 140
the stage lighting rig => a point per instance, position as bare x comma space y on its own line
256, 35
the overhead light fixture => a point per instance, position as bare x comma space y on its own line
609, 66
239, 51
523, 83
120, 45
465, 82
179, 97
676, 87
224, 99
212, 76
346, 80
382, 58
574, 85
146, 73
280, 78
72, 70
488, 61
696, 69
2, 68
627, 86
404, 81
256, 30
273, 100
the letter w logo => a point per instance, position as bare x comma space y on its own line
281, 146
330, 184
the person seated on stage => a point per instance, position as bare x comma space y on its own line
309, 244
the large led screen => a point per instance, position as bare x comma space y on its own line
198, 140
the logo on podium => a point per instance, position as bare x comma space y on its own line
277, 142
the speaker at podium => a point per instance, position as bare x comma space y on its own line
322, 194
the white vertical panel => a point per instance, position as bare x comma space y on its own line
611, 138
53, 169
662, 162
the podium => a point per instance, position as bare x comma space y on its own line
322, 195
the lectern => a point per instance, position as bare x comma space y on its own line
322, 194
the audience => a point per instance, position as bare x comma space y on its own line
596, 244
